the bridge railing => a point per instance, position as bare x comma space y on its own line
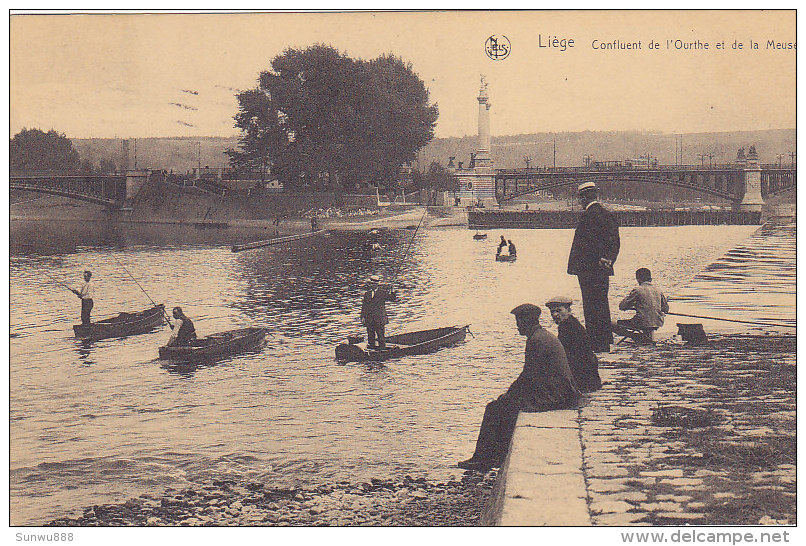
108, 188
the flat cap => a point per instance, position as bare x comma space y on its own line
558, 301
526, 309
585, 186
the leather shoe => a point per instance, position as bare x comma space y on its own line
477, 465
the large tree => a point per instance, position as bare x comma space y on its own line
320, 117
32, 150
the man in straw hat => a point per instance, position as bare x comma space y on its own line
593, 253
373, 311
544, 384
577, 344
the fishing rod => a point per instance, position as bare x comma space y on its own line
144, 291
400, 264
732, 320
57, 281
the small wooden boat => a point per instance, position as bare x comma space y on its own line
125, 324
215, 345
411, 343
480, 236
506, 257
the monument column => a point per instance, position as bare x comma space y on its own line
752, 200
483, 158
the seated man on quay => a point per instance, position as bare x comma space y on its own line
373, 311
577, 344
183, 331
544, 384
650, 306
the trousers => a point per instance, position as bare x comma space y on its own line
596, 309
374, 330
86, 309
497, 427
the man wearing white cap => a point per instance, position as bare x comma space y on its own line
593, 253
373, 311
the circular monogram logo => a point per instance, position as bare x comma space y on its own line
497, 47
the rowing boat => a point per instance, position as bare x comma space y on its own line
411, 343
214, 345
124, 324
506, 257
480, 236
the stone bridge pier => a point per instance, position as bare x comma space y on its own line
752, 200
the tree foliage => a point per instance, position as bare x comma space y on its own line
321, 118
437, 178
33, 150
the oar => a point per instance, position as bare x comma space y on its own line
732, 320
400, 264
144, 291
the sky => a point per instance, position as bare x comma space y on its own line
160, 75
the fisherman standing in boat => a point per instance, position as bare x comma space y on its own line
577, 344
373, 311
544, 384
593, 252
85, 294
183, 331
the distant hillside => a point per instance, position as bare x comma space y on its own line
182, 154
508, 151
179, 154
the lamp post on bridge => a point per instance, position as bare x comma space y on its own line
710, 156
792, 156
780, 158
702, 159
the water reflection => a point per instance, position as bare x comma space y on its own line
289, 414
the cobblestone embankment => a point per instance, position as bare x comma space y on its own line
677, 435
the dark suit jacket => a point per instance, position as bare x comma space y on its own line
596, 237
373, 309
581, 359
546, 382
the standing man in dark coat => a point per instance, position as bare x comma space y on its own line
577, 344
373, 311
544, 384
593, 253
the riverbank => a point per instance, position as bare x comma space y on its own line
678, 434
402, 502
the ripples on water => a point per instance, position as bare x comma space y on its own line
101, 422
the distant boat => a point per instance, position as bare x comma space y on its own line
506, 257
411, 343
215, 345
125, 324
480, 236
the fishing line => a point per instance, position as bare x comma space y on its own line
143, 289
400, 264
733, 320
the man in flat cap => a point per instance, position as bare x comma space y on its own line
544, 384
577, 344
373, 311
593, 253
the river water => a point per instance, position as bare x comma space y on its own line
102, 422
